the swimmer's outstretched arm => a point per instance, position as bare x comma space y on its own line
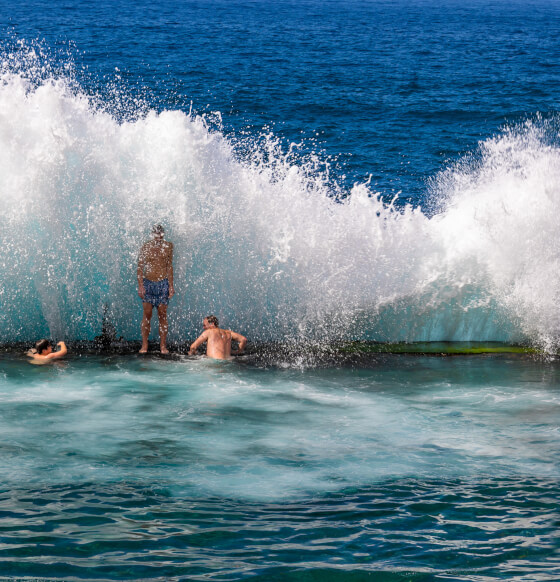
60, 353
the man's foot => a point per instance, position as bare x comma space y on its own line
143, 350
164, 350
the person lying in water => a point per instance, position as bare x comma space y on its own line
43, 352
218, 340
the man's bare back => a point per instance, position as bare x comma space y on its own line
218, 340
218, 343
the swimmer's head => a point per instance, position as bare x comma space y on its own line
209, 321
157, 231
42, 346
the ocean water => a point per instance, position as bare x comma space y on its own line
328, 171
134, 468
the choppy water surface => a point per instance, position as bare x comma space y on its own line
139, 468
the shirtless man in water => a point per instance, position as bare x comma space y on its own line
44, 353
155, 284
219, 340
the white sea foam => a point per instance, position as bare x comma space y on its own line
261, 242
234, 432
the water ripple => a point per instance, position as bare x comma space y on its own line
494, 529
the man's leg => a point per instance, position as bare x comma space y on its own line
162, 316
145, 327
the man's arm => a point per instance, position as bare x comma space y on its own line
140, 273
242, 342
61, 352
170, 271
203, 337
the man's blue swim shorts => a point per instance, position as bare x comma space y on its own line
156, 292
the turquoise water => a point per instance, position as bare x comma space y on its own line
117, 468
328, 170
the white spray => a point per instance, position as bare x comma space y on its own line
263, 244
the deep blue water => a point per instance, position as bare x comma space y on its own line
390, 89
116, 468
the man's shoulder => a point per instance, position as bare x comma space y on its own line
216, 331
164, 245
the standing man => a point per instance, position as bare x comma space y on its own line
155, 284
218, 340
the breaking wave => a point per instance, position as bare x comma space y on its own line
265, 241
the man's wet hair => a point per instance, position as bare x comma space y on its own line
158, 229
42, 345
212, 319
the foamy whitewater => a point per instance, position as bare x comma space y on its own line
266, 242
